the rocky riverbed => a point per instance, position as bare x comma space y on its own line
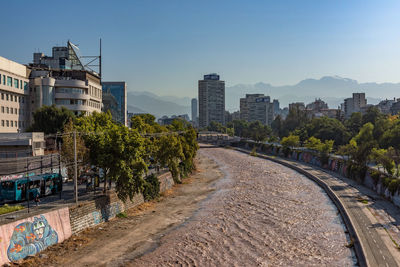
261, 214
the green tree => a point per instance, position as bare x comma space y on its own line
359, 150
354, 123
325, 128
382, 157
50, 119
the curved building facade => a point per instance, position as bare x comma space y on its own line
79, 91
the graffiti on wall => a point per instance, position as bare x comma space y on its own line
110, 211
29, 238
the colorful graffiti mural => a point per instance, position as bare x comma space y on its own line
30, 238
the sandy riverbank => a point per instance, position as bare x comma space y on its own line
122, 240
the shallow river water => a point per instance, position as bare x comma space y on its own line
261, 214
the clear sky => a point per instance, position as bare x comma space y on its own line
165, 46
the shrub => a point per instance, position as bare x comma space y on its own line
394, 185
122, 215
253, 152
151, 187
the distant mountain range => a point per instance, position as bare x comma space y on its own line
146, 102
331, 89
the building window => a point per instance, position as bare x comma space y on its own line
12, 123
9, 81
8, 110
2, 123
26, 86
16, 98
8, 123
15, 123
12, 111
11, 97
15, 110
20, 84
16, 83
4, 79
7, 97
2, 96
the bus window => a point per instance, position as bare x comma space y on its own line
34, 184
9, 185
19, 186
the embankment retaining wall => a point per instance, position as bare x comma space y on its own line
29, 236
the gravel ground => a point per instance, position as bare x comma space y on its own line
262, 214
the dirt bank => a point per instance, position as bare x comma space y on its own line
122, 240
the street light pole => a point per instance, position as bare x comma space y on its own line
75, 171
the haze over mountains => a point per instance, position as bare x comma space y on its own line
332, 89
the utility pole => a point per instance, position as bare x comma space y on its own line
27, 184
59, 168
75, 171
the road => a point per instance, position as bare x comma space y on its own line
376, 244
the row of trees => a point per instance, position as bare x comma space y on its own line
122, 153
125, 154
362, 138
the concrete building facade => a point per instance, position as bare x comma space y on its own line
354, 104
257, 107
78, 90
194, 111
211, 100
14, 92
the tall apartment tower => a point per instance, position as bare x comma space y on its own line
194, 111
211, 100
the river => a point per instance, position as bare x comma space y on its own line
261, 214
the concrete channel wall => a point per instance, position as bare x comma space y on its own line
354, 236
29, 236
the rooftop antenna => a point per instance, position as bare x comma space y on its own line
93, 63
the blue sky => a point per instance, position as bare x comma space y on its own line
165, 46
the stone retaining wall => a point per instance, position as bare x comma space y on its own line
104, 208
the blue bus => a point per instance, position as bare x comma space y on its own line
39, 185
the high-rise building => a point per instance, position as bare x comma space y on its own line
211, 100
194, 111
247, 105
14, 91
119, 91
355, 104
257, 107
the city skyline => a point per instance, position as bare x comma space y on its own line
278, 43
